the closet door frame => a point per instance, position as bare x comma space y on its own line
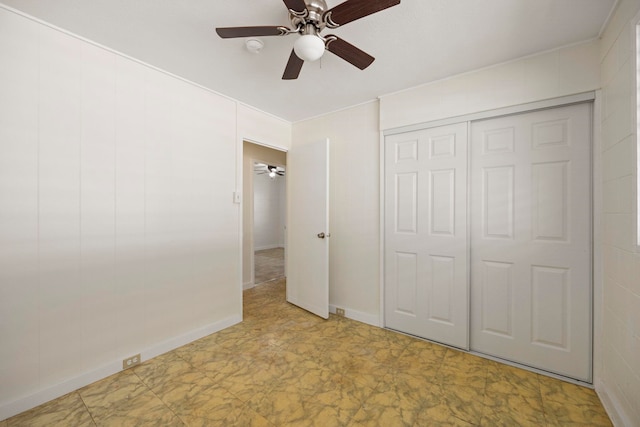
596, 176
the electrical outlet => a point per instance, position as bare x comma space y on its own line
340, 311
131, 361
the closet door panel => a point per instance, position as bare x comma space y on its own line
426, 264
531, 239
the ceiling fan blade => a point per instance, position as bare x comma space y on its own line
233, 32
348, 52
292, 70
351, 10
297, 5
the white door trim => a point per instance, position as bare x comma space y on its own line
499, 112
381, 199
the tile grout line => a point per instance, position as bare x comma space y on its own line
158, 397
86, 407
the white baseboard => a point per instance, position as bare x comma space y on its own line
9, 409
248, 285
615, 410
369, 319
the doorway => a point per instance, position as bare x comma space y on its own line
254, 154
269, 221
307, 231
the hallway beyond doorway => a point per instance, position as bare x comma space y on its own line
269, 265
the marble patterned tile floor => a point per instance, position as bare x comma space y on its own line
269, 265
284, 367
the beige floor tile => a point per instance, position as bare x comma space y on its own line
246, 417
246, 384
387, 408
145, 409
463, 369
310, 350
196, 403
570, 404
164, 369
510, 409
285, 367
335, 405
113, 393
465, 403
68, 410
421, 359
278, 405
511, 380
180, 392
440, 416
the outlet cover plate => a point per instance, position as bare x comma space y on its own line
131, 361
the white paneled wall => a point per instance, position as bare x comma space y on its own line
118, 232
59, 209
618, 374
19, 202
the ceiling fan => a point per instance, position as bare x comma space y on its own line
262, 168
309, 18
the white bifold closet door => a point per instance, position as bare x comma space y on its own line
426, 263
531, 208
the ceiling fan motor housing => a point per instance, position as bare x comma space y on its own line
316, 9
311, 17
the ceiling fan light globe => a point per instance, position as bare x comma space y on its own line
309, 47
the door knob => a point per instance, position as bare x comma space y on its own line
321, 235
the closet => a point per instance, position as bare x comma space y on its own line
488, 237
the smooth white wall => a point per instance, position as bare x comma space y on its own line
267, 212
354, 206
618, 375
118, 231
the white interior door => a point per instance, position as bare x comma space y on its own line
426, 263
531, 239
308, 227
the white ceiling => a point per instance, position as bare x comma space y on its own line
415, 42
